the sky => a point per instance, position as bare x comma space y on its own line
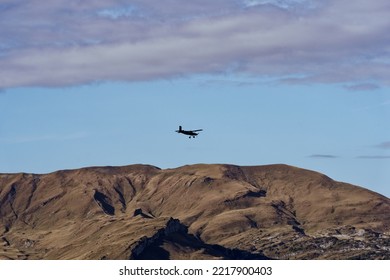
97, 83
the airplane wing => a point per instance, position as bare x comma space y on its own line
197, 130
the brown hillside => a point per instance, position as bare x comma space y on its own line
191, 212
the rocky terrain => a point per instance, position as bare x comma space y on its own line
191, 212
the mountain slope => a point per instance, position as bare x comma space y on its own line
197, 211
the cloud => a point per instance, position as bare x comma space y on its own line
384, 145
279, 3
362, 87
70, 42
323, 156
374, 157
116, 13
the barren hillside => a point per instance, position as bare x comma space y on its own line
191, 212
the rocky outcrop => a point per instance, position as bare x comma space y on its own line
104, 202
172, 226
174, 229
140, 212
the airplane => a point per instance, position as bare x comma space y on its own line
191, 133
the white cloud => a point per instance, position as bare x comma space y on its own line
63, 44
279, 3
115, 13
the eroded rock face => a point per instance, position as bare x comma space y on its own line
175, 233
172, 226
104, 203
197, 211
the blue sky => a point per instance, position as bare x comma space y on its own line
304, 83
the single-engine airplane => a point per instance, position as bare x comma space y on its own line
191, 133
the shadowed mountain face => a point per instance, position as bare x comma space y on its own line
191, 212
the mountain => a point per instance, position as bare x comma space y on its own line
191, 212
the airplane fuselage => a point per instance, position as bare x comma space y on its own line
186, 132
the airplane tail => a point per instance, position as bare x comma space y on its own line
180, 130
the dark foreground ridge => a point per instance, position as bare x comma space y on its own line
151, 248
191, 212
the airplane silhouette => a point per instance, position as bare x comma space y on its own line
191, 133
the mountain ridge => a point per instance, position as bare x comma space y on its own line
272, 211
